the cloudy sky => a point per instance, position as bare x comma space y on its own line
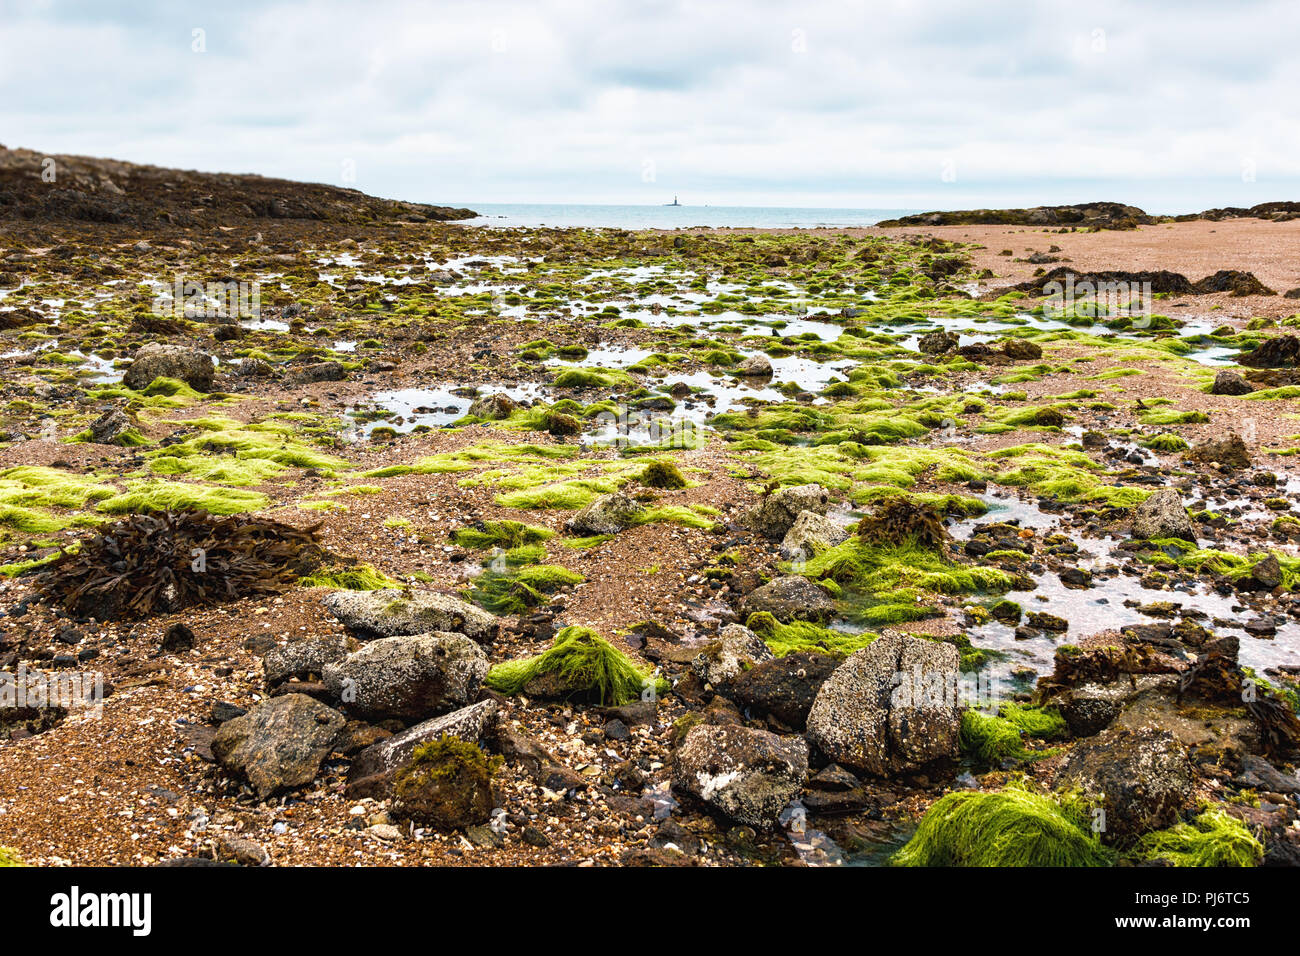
1175, 105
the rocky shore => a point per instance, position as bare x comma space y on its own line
402, 542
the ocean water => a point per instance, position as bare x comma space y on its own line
674, 217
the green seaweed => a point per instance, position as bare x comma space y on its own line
1009, 827
584, 664
1213, 838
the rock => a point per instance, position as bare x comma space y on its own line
608, 514
558, 423
1142, 777
319, 372
1230, 452
279, 744
750, 775
377, 763
154, 360
936, 343
483, 836
304, 657
228, 848
408, 677
1260, 627
1077, 578
111, 427
1228, 382
1258, 774
1163, 516
447, 784
385, 831
177, 638
756, 366
738, 648
535, 837
493, 407
1267, 572
789, 598
1090, 708
776, 513
835, 790
890, 707
224, 710
810, 535
393, 613
783, 687
1279, 352
1043, 621
1022, 349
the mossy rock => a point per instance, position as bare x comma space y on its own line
446, 784
663, 474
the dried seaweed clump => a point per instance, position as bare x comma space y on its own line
900, 521
165, 561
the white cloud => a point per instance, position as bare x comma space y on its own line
735, 101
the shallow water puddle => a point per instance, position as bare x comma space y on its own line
1105, 605
409, 408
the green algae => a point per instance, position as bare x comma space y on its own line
1010, 827
518, 591
362, 577
1212, 838
145, 496
663, 474
995, 742
879, 569
28, 493
799, 636
584, 664
500, 534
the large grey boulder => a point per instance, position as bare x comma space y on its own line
750, 775
391, 613
408, 677
304, 657
608, 514
472, 724
736, 650
889, 708
155, 360
789, 598
280, 743
1141, 778
1163, 516
810, 535
775, 514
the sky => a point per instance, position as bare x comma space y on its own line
1172, 105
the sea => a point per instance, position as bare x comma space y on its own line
506, 215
